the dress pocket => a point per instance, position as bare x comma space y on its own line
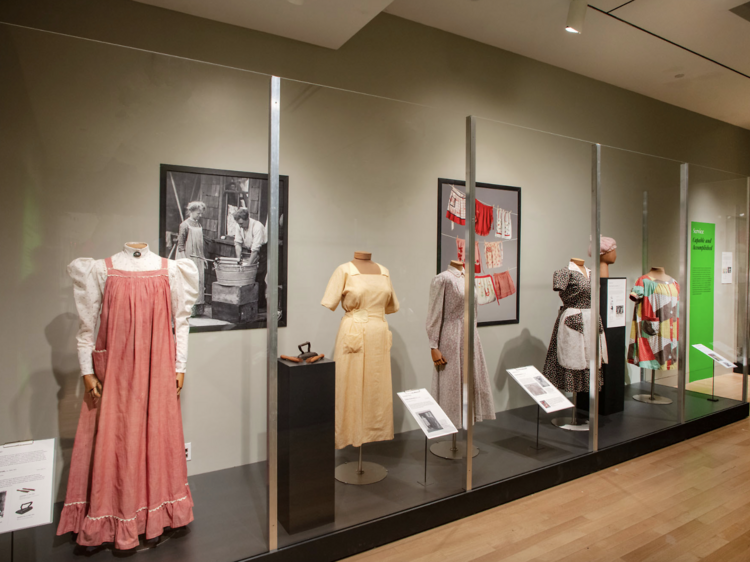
99, 357
649, 328
354, 340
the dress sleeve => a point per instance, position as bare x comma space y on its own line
183, 281
560, 279
392, 305
638, 292
182, 236
87, 294
335, 289
435, 311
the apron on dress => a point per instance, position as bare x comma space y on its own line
128, 474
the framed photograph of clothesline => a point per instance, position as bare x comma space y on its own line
498, 245
217, 219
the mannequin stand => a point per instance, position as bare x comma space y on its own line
360, 473
451, 450
572, 423
713, 383
652, 398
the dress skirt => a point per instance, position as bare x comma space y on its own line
128, 474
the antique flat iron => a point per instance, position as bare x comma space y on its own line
304, 356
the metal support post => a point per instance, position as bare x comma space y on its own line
644, 251
596, 230
746, 258
682, 367
272, 319
468, 382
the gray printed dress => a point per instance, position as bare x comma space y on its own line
568, 355
445, 330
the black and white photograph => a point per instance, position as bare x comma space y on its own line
2, 503
430, 421
542, 381
534, 389
218, 219
498, 245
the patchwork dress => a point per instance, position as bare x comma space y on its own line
445, 330
655, 331
567, 363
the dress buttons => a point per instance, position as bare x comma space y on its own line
136, 254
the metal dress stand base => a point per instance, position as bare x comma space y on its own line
360, 473
572, 423
451, 450
652, 398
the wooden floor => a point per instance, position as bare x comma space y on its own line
728, 385
685, 503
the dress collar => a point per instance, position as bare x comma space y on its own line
354, 271
455, 271
130, 251
573, 267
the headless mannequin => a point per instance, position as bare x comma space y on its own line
437, 357
579, 263
605, 260
364, 264
658, 274
93, 384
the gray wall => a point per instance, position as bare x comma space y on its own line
86, 126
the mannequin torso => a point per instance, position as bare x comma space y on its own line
364, 264
437, 357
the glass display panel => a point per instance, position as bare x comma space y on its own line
717, 217
640, 228
553, 176
363, 173
87, 127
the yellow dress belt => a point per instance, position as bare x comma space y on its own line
364, 316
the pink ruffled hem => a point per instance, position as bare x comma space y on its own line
124, 533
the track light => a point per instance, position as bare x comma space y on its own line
576, 14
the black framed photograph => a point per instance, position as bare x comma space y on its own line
498, 245
218, 219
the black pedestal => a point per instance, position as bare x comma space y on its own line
306, 444
612, 393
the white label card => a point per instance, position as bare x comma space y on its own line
726, 267
26, 482
540, 389
721, 360
432, 420
617, 291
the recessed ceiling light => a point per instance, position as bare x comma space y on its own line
576, 15
679, 75
296, 2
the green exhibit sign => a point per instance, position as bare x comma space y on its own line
702, 250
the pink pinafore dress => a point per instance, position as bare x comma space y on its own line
128, 474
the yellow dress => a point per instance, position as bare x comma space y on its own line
364, 397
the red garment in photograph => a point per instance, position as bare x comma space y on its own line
461, 251
504, 286
485, 215
128, 474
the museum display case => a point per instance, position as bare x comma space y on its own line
334, 228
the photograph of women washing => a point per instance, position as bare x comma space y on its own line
218, 219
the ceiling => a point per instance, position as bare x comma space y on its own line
609, 49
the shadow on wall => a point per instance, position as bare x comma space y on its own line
518, 352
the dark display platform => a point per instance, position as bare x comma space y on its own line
231, 509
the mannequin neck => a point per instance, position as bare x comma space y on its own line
579, 263
457, 264
364, 264
659, 274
